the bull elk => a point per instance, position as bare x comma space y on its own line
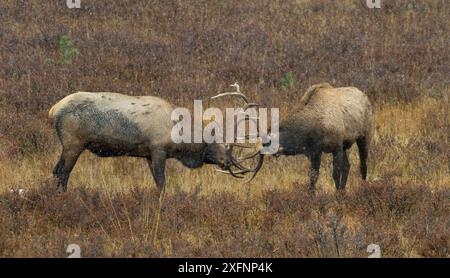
112, 124
328, 120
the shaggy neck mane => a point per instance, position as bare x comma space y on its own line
312, 90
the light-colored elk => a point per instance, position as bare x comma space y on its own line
112, 124
327, 120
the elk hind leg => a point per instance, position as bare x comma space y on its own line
64, 167
363, 154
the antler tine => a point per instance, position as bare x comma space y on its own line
244, 171
229, 172
250, 105
239, 165
244, 97
237, 93
257, 168
235, 162
252, 170
239, 159
244, 110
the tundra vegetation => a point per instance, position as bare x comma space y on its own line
181, 50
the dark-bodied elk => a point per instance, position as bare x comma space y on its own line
327, 120
112, 124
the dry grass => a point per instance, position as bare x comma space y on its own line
406, 220
185, 49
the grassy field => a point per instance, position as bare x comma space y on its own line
181, 50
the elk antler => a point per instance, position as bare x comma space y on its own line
236, 162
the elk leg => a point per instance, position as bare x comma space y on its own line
363, 153
157, 167
338, 162
149, 162
64, 167
345, 170
315, 168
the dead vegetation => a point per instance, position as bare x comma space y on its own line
406, 220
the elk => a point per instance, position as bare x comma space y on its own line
327, 120
112, 124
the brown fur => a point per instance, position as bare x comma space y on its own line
312, 90
329, 120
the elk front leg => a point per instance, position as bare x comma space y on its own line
345, 170
157, 164
338, 167
315, 168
